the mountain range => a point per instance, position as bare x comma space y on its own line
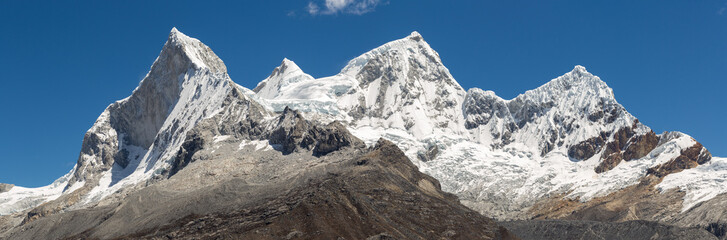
390, 147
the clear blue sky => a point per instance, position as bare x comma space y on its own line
61, 64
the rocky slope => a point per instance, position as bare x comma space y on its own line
354, 193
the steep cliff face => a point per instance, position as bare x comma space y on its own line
136, 139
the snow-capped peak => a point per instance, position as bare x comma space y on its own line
415, 36
579, 68
139, 135
411, 47
577, 83
198, 53
282, 76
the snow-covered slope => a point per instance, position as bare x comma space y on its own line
569, 136
400, 86
701, 183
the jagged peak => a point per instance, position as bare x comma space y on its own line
199, 54
184, 67
486, 93
578, 81
579, 73
287, 73
175, 33
412, 44
579, 68
286, 66
415, 36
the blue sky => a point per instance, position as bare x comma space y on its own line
61, 64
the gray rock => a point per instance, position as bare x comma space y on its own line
294, 133
4, 187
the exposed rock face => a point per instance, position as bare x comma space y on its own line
184, 156
143, 122
5, 187
142, 134
640, 145
430, 153
586, 149
627, 145
689, 158
481, 106
295, 133
333, 137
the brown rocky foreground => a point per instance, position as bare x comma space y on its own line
374, 193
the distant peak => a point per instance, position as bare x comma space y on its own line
287, 73
577, 80
415, 36
286, 66
580, 69
412, 46
176, 34
288, 62
580, 73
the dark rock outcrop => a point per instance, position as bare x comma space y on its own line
586, 149
481, 106
689, 158
626, 145
294, 133
332, 137
428, 154
639, 146
609, 162
192, 144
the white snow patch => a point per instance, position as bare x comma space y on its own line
257, 144
701, 183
